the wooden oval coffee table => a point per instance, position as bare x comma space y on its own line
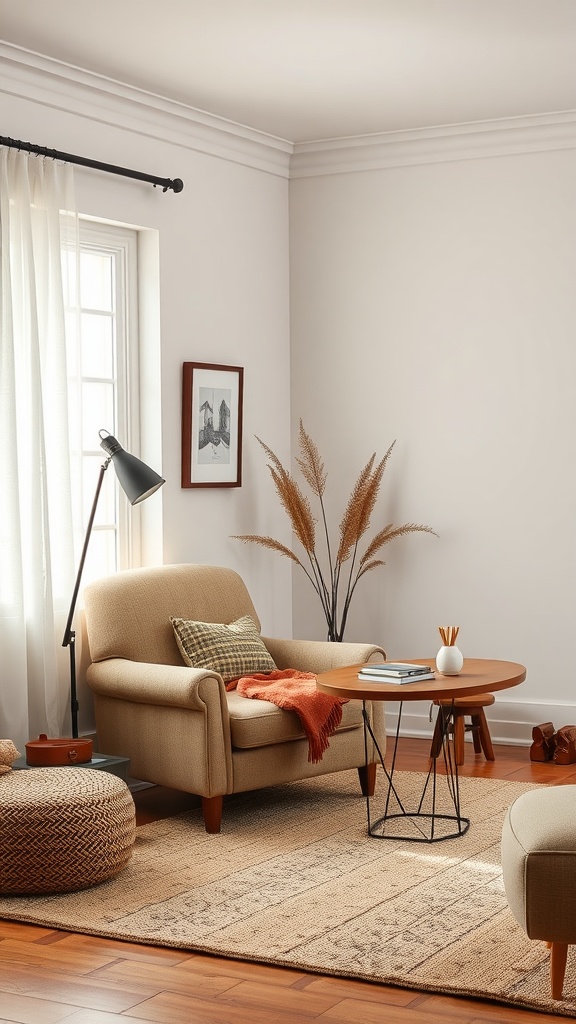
478, 675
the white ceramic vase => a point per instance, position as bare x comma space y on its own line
449, 661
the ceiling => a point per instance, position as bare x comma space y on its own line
305, 70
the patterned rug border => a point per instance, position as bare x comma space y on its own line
236, 875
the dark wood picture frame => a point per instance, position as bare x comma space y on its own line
212, 397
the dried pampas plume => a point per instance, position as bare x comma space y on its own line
334, 578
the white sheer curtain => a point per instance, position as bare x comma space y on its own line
37, 220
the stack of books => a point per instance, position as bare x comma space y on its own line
395, 672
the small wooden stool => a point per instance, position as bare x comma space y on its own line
464, 707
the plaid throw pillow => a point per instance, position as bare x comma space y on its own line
233, 651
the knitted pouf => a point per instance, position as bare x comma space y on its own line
63, 829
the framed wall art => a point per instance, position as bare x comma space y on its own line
211, 425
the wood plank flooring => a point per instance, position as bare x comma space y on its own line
49, 976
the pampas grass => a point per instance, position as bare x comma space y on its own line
335, 576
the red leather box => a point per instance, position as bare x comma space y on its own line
46, 752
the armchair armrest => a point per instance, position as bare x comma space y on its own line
166, 685
172, 721
321, 655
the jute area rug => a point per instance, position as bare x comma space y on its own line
294, 880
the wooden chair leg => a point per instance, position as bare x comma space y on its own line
458, 738
485, 738
212, 813
436, 745
558, 956
367, 776
475, 730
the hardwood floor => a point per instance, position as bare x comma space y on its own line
49, 976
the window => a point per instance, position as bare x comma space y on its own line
102, 354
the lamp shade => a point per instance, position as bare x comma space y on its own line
137, 480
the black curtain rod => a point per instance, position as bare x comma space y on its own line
176, 184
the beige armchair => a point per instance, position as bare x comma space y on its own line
179, 726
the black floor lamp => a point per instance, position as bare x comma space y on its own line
138, 482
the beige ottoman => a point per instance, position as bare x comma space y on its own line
63, 829
539, 869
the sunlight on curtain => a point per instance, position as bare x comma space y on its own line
36, 556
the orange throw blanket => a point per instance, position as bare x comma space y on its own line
319, 713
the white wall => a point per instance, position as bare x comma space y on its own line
223, 264
432, 302
435, 304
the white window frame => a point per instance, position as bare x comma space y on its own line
121, 242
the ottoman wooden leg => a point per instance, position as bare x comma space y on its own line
558, 957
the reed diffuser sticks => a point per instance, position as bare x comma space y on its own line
449, 634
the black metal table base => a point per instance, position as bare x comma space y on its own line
424, 824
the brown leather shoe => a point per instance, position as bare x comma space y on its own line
544, 744
565, 752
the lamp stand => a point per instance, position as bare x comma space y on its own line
69, 634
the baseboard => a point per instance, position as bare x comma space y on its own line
509, 721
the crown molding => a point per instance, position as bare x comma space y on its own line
471, 141
61, 86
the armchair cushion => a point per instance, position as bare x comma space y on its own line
259, 723
231, 650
